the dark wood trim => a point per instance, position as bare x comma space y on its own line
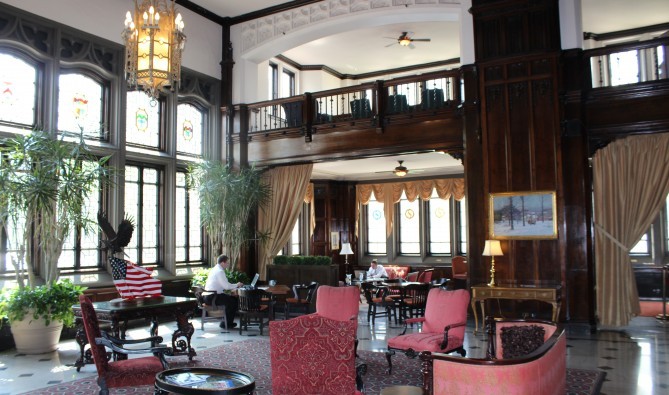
625, 33
270, 10
203, 12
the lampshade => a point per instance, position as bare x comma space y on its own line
346, 249
492, 248
154, 41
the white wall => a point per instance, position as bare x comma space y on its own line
104, 18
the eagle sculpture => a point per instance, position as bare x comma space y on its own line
116, 240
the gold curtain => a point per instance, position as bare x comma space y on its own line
289, 186
631, 182
309, 199
390, 193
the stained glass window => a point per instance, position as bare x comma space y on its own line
409, 226
80, 105
376, 227
18, 93
142, 202
189, 244
440, 225
190, 126
81, 248
142, 122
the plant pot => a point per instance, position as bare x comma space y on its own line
32, 336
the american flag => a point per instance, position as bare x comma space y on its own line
134, 281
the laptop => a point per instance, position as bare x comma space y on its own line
253, 282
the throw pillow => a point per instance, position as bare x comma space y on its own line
518, 341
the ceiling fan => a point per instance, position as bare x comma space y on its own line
406, 40
401, 170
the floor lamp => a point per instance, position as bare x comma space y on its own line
346, 251
492, 249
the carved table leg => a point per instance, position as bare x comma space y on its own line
81, 340
184, 330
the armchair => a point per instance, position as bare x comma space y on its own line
303, 296
209, 310
338, 303
312, 354
459, 272
443, 326
122, 373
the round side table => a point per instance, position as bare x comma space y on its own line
210, 381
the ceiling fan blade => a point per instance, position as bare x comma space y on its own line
427, 40
390, 38
390, 45
411, 46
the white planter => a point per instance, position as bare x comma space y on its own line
34, 337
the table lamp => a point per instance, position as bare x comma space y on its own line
346, 251
492, 248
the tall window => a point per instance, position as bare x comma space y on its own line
439, 225
273, 81
287, 83
80, 106
409, 223
463, 226
189, 245
18, 94
142, 202
376, 228
653, 247
142, 122
190, 126
295, 239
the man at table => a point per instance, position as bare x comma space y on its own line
218, 281
376, 270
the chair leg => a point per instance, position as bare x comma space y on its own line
389, 355
204, 315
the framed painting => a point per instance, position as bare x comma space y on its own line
334, 240
523, 215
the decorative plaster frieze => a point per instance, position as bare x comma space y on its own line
271, 27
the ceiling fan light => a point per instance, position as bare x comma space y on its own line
401, 171
405, 41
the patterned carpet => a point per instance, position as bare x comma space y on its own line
252, 356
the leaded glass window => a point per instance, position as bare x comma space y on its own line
409, 226
189, 245
376, 228
80, 105
142, 123
190, 127
18, 93
439, 225
142, 202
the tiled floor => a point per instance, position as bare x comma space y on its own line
636, 359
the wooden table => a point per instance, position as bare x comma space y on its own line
548, 294
118, 313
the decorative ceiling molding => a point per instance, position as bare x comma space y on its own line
265, 29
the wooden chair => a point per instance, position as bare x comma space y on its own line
378, 302
413, 298
210, 311
460, 270
132, 372
303, 296
425, 276
443, 326
254, 304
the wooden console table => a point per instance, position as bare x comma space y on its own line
548, 294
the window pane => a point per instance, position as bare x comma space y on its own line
142, 122
376, 228
641, 248
440, 225
188, 228
409, 226
18, 91
463, 225
80, 105
142, 202
295, 238
287, 84
190, 124
624, 68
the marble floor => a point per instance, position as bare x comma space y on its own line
636, 358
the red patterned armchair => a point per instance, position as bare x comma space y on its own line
122, 373
443, 326
542, 371
312, 354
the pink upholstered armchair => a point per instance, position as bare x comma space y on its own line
312, 354
443, 326
541, 372
122, 373
338, 303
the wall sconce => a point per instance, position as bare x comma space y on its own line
492, 249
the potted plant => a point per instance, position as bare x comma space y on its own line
44, 184
227, 200
234, 276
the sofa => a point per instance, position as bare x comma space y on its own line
541, 372
396, 271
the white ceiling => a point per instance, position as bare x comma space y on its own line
365, 49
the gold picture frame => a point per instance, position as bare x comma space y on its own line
334, 240
523, 215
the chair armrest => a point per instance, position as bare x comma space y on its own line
159, 351
444, 343
411, 321
119, 342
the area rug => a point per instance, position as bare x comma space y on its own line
252, 356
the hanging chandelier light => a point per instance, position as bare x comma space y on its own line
154, 41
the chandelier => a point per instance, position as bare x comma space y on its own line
154, 41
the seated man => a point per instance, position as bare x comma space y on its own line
218, 281
376, 270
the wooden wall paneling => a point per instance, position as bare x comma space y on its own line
518, 150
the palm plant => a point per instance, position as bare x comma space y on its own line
44, 185
227, 200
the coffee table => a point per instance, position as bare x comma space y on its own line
212, 381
